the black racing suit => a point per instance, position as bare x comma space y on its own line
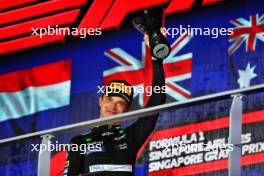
112, 149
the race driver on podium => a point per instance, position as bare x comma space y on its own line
117, 147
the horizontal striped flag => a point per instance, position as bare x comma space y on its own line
36, 89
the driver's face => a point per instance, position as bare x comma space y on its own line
112, 105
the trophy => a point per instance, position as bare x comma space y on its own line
150, 21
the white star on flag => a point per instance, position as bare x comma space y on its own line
245, 76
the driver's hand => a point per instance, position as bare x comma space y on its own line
146, 36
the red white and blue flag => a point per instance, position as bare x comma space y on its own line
248, 32
198, 65
176, 67
33, 90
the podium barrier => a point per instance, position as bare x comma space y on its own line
235, 125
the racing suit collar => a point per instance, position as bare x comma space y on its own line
106, 127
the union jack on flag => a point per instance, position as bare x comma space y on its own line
138, 73
248, 32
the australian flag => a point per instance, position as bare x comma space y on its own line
198, 65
